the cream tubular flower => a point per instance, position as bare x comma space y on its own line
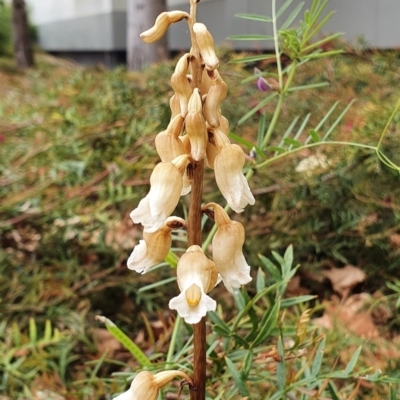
163, 197
196, 127
227, 247
146, 386
228, 165
196, 275
180, 83
155, 246
217, 139
167, 142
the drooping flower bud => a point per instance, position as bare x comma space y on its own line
206, 46
216, 94
155, 246
196, 127
228, 165
227, 247
163, 21
217, 139
174, 105
168, 145
163, 197
146, 386
180, 83
196, 275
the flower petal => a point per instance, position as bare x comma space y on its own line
231, 182
139, 260
228, 256
192, 315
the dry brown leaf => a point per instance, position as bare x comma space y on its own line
395, 240
294, 288
105, 341
344, 279
351, 314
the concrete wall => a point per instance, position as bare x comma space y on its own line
100, 25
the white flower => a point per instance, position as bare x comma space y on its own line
146, 386
155, 246
165, 190
227, 251
196, 275
228, 165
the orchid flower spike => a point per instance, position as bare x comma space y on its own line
155, 246
146, 386
197, 275
227, 251
165, 190
228, 165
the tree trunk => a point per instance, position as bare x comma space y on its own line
141, 15
22, 44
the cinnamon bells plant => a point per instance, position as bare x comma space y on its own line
195, 138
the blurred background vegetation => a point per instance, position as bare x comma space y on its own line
76, 152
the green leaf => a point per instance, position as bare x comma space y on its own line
239, 299
316, 55
260, 282
353, 361
251, 59
275, 148
283, 8
172, 259
288, 257
338, 119
250, 37
271, 268
307, 87
292, 16
314, 136
247, 144
241, 385
292, 142
260, 105
322, 42
292, 301
247, 364
221, 331
319, 355
251, 303
270, 324
254, 17
125, 341
333, 391
32, 331
215, 318
280, 366
261, 130
156, 284
392, 393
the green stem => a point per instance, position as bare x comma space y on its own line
307, 146
276, 44
385, 129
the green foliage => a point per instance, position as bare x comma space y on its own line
245, 351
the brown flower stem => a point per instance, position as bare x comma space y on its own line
199, 330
